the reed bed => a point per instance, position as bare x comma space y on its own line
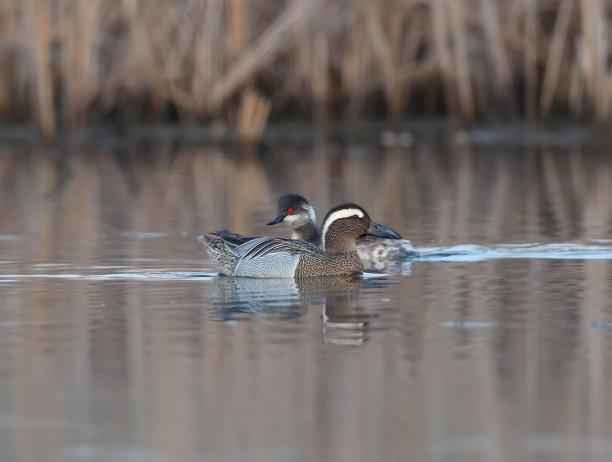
67, 63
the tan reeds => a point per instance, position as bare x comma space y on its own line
67, 62
275, 39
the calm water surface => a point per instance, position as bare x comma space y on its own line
119, 343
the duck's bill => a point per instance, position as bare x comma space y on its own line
377, 229
278, 219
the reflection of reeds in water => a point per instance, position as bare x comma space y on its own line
67, 62
475, 197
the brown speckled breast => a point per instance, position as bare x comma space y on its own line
328, 264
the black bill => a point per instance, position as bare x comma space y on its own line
278, 219
377, 229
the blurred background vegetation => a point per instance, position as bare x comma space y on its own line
70, 63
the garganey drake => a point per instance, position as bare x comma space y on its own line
267, 257
299, 214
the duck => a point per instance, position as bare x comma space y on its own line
296, 211
273, 257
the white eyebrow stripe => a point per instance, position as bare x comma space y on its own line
338, 214
310, 210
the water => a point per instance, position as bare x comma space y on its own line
117, 341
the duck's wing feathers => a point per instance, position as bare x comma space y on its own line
232, 239
263, 246
271, 257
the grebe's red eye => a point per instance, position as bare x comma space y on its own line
290, 211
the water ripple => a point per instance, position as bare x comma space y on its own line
138, 274
598, 250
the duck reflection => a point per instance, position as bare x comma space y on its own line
245, 298
344, 321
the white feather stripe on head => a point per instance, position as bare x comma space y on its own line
311, 212
337, 215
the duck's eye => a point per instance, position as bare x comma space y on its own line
290, 211
356, 217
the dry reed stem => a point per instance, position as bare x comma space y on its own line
320, 75
383, 54
555, 55
409, 54
77, 32
443, 51
43, 81
209, 54
462, 60
354, 67
237, 26
312, 62
530, 58
8, 30
492, 28
590, 52
601, 51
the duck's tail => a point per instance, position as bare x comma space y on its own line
204, 239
